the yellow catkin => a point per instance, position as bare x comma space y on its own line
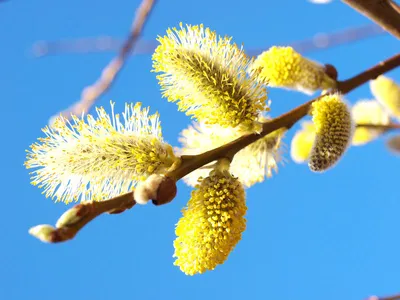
284, 67
251, 165
99, 158
207, 76
302, 142
212, 224
257, 161
368, 112
333, 128
387, 92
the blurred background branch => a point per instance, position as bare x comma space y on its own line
383, 12
319, 41
91, 93
393, 297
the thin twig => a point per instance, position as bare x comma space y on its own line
85, 45
387, 127
91, 93
383, 12
323, 40
85, 212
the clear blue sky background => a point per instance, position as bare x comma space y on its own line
309, 236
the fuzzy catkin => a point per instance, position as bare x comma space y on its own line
206, 75
368, 112
212, 224
284, 67
251, 165
334, 129
302, 142
387, 93
99, 158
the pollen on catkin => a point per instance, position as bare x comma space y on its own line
387, 93
212, 223
251, 165
207, 76
99, 158
284, 67
368, 112
257, 161
302, 142
333, 132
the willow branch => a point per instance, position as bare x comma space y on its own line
383, 12
83, 213
91, 93
72, 221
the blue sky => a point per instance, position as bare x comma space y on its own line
309, 236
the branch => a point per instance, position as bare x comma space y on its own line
77, 217
91, 93
383, 12
385, 128
73, 220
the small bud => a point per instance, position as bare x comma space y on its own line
43, 232
331, 71
72, 216
141, 194
166, 191
394, 144
158, 188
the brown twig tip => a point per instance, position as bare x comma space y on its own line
74, 219
43, 232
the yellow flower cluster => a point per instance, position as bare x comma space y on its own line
100, 158
251, 165
284, 67
212, 224
368, 112
302, 142
333, 129
387, 93
208, 77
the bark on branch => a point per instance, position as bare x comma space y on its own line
383, 12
